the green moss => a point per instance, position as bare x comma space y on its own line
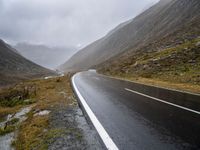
7, 130
10, 102
13, 121
10, 127
15, 102
29, 101
2, 119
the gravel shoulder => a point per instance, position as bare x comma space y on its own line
77, 132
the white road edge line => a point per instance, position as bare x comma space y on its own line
160, 100
110, 145
156, 86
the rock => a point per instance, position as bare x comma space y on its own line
136, 63
192, 61
198, 44
158, 65
42, 113
155, 60
145, 66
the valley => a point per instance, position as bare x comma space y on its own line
136, 86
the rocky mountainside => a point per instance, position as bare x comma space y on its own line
14, 67
49, 57
166, 24
173, 57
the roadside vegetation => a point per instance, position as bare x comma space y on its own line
11, 101
176, 66
43, 97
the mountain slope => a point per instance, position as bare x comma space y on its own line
50, 57
163, 19
173, 58
14, 67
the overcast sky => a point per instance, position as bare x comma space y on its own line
64, 22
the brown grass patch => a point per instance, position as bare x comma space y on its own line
50, 94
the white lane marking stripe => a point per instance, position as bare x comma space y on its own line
157, 99
100, 129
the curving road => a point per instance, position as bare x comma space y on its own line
140, 117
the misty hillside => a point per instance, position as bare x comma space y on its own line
14, 67
49, 57
176, 19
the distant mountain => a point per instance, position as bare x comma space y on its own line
14, 67
49, 57
166, 23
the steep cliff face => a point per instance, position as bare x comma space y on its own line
14, 67
166, 18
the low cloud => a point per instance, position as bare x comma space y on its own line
64, 22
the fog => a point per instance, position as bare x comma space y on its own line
64, 22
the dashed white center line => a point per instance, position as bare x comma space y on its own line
162, 101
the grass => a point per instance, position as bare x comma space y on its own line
4, 111
12, 99
18, 95
35, 132
167, 52
13, 121
15, 102
7, 130
31, 133
175, 67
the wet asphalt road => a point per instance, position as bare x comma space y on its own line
137, 122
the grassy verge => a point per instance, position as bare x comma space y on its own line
12, 99
35, 132
176, 67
